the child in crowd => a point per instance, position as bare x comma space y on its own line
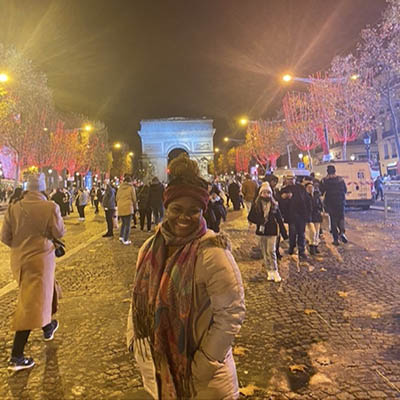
266, 215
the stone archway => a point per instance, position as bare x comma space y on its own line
162, 137
175, 153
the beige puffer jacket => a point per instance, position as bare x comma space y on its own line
126, 199
218, 313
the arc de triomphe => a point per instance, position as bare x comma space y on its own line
162, 139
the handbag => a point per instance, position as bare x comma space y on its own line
59, 247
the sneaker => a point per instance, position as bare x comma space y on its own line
50, 335
108, 235
343, 238
121, 239
277, 277
126, 242
336, 242
17, 364
270, 276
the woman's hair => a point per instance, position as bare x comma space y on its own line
184, 171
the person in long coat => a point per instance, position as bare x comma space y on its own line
188, 299
126, 203
28, 229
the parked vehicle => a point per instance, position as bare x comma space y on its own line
358, 179
299, 173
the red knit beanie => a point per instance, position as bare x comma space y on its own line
174, 192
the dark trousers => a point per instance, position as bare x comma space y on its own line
109, 220
337, 225
297, 229
126, 226
158, 213
145, 214
96, 205
20, 339
379, 192
236, 203
81, 211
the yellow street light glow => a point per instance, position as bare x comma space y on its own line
354, 77
244, 121
287, 78
117, 145
130, 153
216, 150
226, 139
3, 77
88, 127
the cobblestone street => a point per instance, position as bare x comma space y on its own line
330, 330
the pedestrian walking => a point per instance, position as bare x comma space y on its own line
59, 198
267, 217
234, 194
249, 191
98, 197
109, 209
81, 202
188, 299
92, 195
378, 184
144, 206
296, 208
334, 188
314, 225
29, 227
126, 203
156, 200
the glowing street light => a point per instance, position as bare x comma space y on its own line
226, 139
3, 77
287, 78
117, 145
243, 121
354, 77
88, 127
131, 154
216, 149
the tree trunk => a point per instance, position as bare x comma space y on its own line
395, 122
310, 159
17, 169
344, 151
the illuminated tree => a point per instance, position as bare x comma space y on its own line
380, 55
265, 141
302, 123
31, 101
242, 158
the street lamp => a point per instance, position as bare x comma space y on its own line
228, 139
117, 145
216, 149
367, 142
131, 154
243, 121
88, 127
3, 77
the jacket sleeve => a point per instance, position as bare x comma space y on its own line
6, 231
56, 223
225, 289
282, 228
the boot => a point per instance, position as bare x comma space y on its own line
312, 250
316, 250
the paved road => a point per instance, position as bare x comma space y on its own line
330, 330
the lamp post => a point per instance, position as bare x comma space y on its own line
367, 143
228, 139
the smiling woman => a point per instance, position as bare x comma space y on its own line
188, 300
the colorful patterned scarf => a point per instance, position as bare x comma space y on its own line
162, 303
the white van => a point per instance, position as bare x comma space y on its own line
299, 173
358, 179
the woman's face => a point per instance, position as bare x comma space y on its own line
310, 188
266, 194
184, 216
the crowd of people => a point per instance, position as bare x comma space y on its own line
188, 297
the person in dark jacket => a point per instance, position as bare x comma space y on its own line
98, 198
314, 224
16, 195
234, 194
109, 208
378, 184
215, 212
144, 206
266, 215
156, 200
334, 188
59, 198
296, 209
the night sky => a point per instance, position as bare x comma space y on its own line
122, 61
